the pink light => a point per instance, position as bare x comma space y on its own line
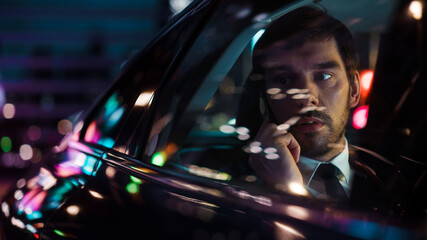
92, 133
67, 169
360, 117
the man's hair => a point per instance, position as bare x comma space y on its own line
308, 24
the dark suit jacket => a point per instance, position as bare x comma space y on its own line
397, 188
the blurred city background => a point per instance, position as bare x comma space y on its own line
56, 58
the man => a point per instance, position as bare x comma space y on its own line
308, 63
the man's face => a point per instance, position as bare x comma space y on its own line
315, 95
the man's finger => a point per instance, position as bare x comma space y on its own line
289, 141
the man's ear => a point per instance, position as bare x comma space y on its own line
355, 90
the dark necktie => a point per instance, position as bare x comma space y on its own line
325, 180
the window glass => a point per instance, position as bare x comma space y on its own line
112, 123
240, 98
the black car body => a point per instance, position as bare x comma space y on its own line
136, 167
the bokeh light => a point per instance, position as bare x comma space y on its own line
26, 152
65, 126
6, 144
9, 111
360, 117
144, 99
34, 133
73, 210
416, 9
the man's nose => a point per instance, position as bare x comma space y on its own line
309, 94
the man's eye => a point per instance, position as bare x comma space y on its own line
322, 76
283, 79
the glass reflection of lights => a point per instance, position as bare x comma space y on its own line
73, 210
177, 6
243, 137
96, 194
31, 228
76, 132
416, 9
60, 233
89, 165
34, 215
232, 121
110, 172
297, 91
272, 156
246, 195
301, 96
46, 179
64, 126
283, 126
285, 230
17, 222
21, 183
250, 178
31, 203
270, 150
256, 37
5, 209
297, 188
135, 180
291, 121
18, 195
208, 173
158, 159
132, 187
144, 170
278, 96
106, 142
242, 130
144, 99
297, 212
74, 164
227, 129
273, 91
193, 187
114, 117
92, 133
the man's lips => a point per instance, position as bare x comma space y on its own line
309, 124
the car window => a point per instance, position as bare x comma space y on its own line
208, 114
196, 108
112, 123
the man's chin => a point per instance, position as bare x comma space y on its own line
313, 145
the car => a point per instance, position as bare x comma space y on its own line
161, 154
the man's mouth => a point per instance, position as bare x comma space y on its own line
309, 124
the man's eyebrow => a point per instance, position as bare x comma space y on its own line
272, 66
326, 65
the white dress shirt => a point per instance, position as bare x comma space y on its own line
308, 167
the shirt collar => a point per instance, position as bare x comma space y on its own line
308, 166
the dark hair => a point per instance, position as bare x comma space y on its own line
308, 24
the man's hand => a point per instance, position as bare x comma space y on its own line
282, 170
